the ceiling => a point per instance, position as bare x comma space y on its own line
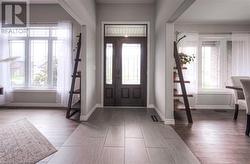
99, 1
125, 1
217, 11
43, 1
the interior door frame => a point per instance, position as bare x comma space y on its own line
148, 55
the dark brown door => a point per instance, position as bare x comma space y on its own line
125, 71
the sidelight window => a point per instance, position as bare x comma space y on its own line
109, 63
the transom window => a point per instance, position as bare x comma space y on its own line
36, 65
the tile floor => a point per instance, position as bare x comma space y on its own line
123, 136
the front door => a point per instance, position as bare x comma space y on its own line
125, 70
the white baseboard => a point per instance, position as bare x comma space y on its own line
86, 117
150, 106
169, 121
212, 107
57, 105
229, 107
159, 112
99, 106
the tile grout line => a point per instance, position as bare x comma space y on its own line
62, 144
145, 143
102, 148
124, 138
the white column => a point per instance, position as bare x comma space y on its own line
170, 36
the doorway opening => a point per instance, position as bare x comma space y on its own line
125, 65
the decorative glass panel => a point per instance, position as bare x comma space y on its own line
126, 30
109, 63
17, 67
131, 64
210, 64
39, 62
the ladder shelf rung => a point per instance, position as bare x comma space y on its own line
78, 60
78, 74
78, 91
181, 67
182, 108
181, 95
178, 81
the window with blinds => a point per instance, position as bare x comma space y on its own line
215, 63
211, 76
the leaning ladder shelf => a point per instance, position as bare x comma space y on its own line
74, 108
182, 82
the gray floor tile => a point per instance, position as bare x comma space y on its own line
135, 152
115, 136
111, 155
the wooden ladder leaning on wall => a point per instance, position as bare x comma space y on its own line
182, 83
74, 108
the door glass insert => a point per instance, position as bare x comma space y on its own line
109, 63
131, 64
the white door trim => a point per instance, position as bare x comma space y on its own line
148, 55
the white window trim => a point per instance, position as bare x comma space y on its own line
27, 84
148, 56
223, 66
32, 90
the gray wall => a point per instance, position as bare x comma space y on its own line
34, 97
45, 14
125, 13
163, 59
89, 58
85, 13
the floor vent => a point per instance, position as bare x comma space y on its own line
154, 118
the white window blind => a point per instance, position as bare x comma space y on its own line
211, 75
